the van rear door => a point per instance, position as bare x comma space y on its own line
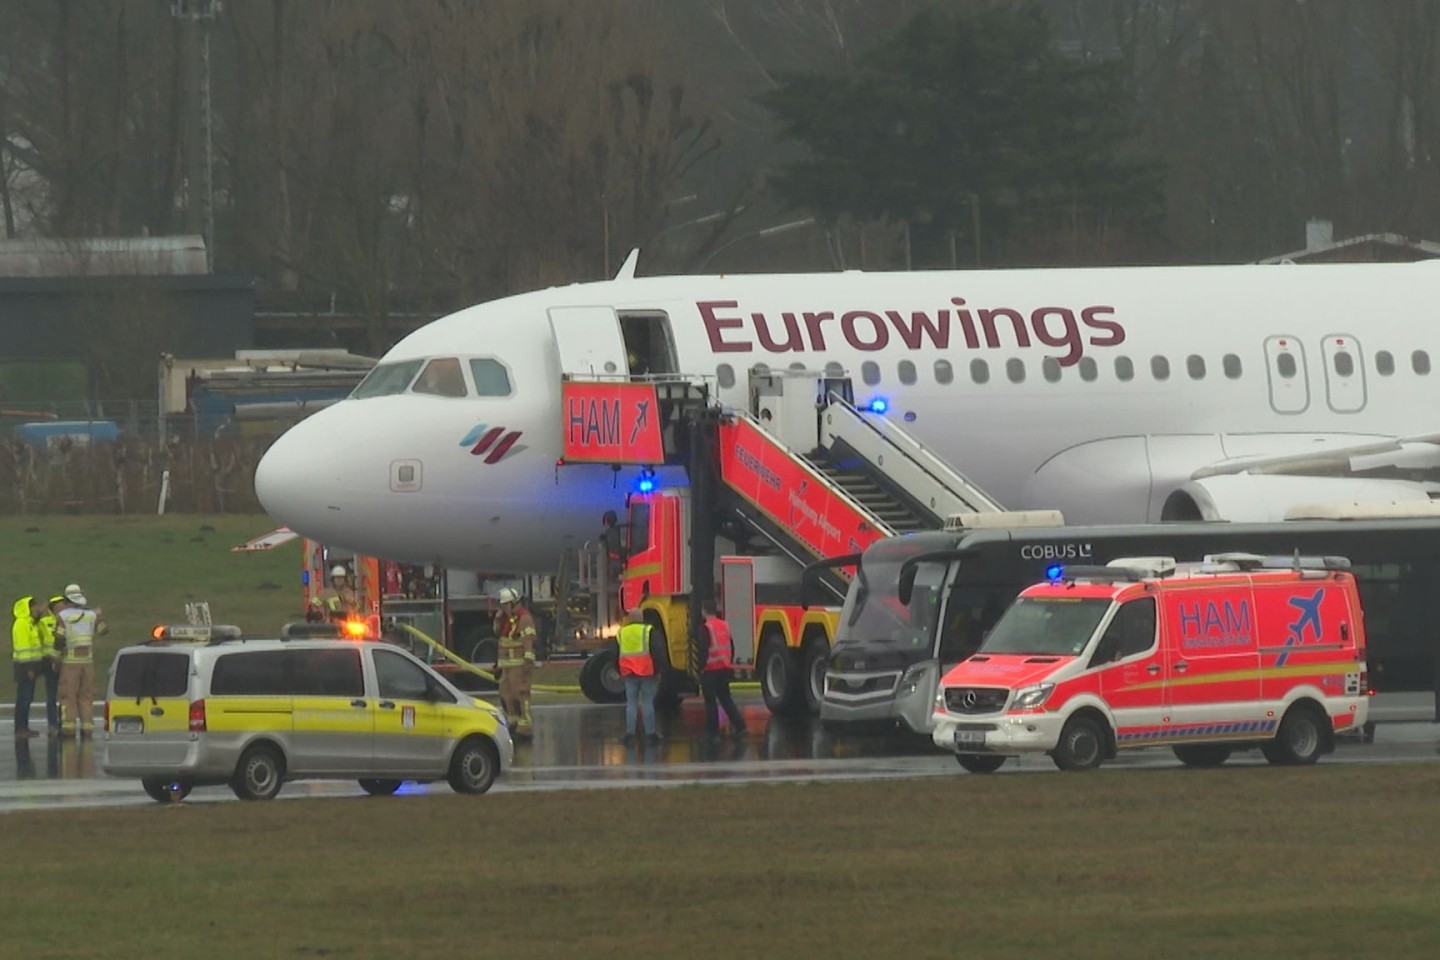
149, 705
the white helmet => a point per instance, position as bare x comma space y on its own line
509, 595
339, 571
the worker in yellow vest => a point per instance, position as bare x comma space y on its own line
81, 626
515, 630
27, 655
52, 641
637, 671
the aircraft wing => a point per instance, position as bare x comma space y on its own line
269, 541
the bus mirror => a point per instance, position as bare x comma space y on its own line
907, 582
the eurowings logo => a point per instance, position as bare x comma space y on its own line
492, 443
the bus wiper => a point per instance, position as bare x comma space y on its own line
810, 576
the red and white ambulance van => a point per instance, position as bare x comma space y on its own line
1238, 651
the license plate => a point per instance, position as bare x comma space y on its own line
969, 738
129, 724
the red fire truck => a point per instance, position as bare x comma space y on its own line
779, 495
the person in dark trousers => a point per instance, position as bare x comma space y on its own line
715, 655
27, 655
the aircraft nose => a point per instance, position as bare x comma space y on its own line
297, 476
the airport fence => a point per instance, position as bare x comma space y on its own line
126, 458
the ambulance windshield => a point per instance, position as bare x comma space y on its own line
1046, 626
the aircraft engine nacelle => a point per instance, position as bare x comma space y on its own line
1246, 497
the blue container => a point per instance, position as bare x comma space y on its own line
81, 433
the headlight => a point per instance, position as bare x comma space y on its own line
1027, 697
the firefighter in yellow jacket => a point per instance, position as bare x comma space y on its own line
515, 629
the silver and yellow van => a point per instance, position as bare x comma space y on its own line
255, 713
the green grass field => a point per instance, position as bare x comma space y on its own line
142, 570
1328, 861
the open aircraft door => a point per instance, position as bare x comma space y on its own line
588, 341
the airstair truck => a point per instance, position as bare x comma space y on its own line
799, 476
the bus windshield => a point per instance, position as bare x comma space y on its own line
1046, 626
873, 611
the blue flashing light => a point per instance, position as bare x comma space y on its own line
646, 481
646, 486
878, 405
1054, 572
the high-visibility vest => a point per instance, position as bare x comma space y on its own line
25, 635
720, 645
635, 658
47, 634
79, 634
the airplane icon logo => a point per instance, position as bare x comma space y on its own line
1307, 618
493, 443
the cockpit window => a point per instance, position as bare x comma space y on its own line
491, 377
441, 378
387, 379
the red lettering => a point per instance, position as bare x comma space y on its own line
1090, 316
714, 324
939, 331
1069, 338
992, 337
812, 325
793, 338
852, 335
967, 324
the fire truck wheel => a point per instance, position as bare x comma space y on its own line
600, 677
166, 791
1081, 746
379, 788
1203, 754
1300, 739
979, 762
815, 655
779, 674
667, 690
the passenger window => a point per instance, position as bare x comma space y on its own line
906, 372
725, 376
1088, 370
1015, 370
1131, 631
152, 674
1124, 369
1384, 363
797, 365
491, 377
760, 369
1285, 365
387, 379
1050, 368
870, 373
1344, 363
250, 674
1231, 363
1195, 366
1420, 362
944, 372
979, 371
441, 378
327, 673
398, 678
1160, 368
833, 369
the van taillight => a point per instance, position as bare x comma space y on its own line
197, 716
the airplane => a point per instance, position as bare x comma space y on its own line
1124, 394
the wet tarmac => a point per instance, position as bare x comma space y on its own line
578, 745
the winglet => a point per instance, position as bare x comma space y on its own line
627, 269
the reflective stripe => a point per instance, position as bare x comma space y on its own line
635, 658
720, 645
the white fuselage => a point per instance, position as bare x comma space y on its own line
1048, 388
